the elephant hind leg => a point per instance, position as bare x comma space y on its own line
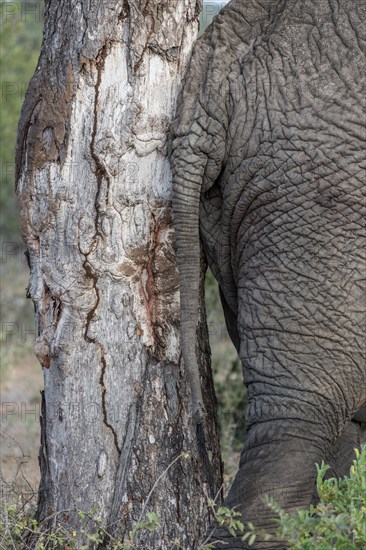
278, 461
342, 453
360, 415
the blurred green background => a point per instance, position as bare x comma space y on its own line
20, 374
21, 35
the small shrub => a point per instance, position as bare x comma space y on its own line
338, 522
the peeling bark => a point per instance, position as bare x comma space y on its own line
94, 184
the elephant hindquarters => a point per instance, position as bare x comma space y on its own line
302, 347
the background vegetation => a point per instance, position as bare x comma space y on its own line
21, 379
21, 35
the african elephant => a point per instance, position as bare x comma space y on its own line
268, 168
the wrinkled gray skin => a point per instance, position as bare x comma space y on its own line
268, 170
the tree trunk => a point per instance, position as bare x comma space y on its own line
94, 183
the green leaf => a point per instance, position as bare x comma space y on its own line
252, 538
153, 517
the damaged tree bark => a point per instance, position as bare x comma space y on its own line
94, 184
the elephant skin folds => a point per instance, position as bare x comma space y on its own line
269, 163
